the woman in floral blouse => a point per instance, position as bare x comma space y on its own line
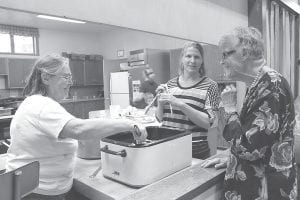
261, 162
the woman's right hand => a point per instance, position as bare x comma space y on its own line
162, 88
216, 162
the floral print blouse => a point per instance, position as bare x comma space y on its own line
261, 163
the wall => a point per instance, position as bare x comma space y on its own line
128, 40
200, 20
53, 41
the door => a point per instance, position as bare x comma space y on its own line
93, 72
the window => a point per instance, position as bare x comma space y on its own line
18, 40
5, 43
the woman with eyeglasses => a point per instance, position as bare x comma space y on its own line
43, 130
261, 163
190, 101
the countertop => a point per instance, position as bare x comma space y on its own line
80, 100
185, 184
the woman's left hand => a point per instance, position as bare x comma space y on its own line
215, 162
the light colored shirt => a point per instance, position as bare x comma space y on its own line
34, 131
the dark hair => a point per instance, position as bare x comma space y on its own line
148, 71
50, 64
197, 46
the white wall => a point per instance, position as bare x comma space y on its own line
106, 44
200, 20
128, 40
52, 41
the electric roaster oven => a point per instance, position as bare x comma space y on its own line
164, 152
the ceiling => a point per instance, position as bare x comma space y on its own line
12, 17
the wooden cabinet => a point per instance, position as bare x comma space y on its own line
86, 69
212, 58
93, 72
18, 71
93, 105
76, 62
174, 62
3, 66
81, 109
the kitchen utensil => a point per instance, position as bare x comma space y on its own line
164, 152
96, 172
171, 109
150, 105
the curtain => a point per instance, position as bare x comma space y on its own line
18, 30
280, 44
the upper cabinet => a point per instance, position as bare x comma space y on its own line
93, 70
86, 69
76, 62
3, 66
18, 71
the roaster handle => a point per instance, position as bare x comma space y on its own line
117, 153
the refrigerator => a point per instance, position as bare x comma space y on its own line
124, 85
119, 89
121, 84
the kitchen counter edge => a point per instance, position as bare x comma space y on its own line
190, 183
80, 100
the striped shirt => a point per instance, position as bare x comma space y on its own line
203, 96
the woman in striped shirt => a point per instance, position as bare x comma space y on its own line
190, 101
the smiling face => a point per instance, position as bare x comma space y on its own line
59, 84
232, 58
191, 60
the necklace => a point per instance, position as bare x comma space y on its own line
258, 76
256, 79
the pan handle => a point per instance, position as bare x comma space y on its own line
117, 153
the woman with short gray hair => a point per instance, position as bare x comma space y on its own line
261, 163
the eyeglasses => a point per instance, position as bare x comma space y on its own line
226, 54
67, 77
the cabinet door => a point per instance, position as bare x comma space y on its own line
174, 62
212, 57
92, 106
27, 68
69, 107
15, 73
79, 109
94, 72
3, 66
77, 69
18, 71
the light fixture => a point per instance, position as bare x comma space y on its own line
61, 19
